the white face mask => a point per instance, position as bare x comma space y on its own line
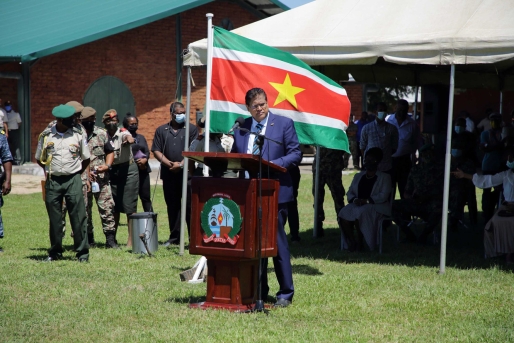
381, 115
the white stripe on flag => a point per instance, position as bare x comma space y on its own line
300, 117
239, 56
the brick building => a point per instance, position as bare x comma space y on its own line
136, 70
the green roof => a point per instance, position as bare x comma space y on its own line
31, 29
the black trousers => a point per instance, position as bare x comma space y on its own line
400, 173
144, 191
172, 188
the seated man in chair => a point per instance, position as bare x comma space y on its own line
423, 195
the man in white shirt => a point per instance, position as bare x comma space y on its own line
13, 120
470, 124
485, 124
3, 120
407, 145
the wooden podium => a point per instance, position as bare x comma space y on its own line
224, 227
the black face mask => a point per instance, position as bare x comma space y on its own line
111, 126
132, 128
88, 125
69, 122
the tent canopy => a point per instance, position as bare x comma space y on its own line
372, 37
34, 29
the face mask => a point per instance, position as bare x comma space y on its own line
88, 125
456, 152
459, 129
381, 115
371, 166
8, 108
69, 122
180, 118
510, 165
111, 126
132, 128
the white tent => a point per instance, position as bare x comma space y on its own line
411, 42
371, 37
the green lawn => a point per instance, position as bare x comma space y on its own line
340, 296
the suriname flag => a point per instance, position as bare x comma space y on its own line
318, 106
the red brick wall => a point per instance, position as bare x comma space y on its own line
143, 58
477, 101
354, 92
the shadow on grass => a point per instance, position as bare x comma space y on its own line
42, 258
186, 300
464, 250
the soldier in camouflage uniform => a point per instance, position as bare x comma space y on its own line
102, 156
423, 195
351, 132
331, 168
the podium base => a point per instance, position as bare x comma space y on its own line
230, 307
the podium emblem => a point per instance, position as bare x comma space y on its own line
221, 221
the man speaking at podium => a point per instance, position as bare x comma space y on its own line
279, 129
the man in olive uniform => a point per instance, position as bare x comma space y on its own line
423, 195
64, 154
102, 156
331, 169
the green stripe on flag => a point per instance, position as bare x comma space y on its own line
226, 40
308, 134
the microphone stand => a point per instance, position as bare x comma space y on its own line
259, 304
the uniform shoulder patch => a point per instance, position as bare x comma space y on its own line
77, 128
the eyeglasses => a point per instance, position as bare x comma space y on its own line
256, 106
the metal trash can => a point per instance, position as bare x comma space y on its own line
144, 223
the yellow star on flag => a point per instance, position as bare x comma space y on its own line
286, 91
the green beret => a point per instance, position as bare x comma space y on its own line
63, 111
87, 112
426, 147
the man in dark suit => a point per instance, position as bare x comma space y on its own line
287, 154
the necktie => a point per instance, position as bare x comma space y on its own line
256, 150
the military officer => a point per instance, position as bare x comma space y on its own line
331, 167
102, 156
64, 154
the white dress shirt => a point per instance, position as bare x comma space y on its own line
264, 122
505, 177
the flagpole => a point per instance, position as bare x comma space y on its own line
185, 165
208, 88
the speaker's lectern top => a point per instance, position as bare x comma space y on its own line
221, 161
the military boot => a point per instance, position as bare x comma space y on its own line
91, 239
110, 240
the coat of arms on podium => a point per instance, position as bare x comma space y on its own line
221, 220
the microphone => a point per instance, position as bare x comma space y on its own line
239, 121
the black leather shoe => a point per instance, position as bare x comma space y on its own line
1, 250
295, 239
52, 258
281, 302
83, 259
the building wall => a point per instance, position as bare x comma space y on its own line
354, 92
9, 87
143, 58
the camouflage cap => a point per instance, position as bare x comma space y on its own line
76, 105
87, 112
63, 111
109, 115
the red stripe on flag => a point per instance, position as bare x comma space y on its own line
231, 80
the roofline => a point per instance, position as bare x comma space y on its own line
281, 5
99, 35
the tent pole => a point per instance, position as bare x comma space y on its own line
415, 107
446, 192
316, 194
207, 113
501, 102
186, 164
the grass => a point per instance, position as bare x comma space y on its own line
340, 297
